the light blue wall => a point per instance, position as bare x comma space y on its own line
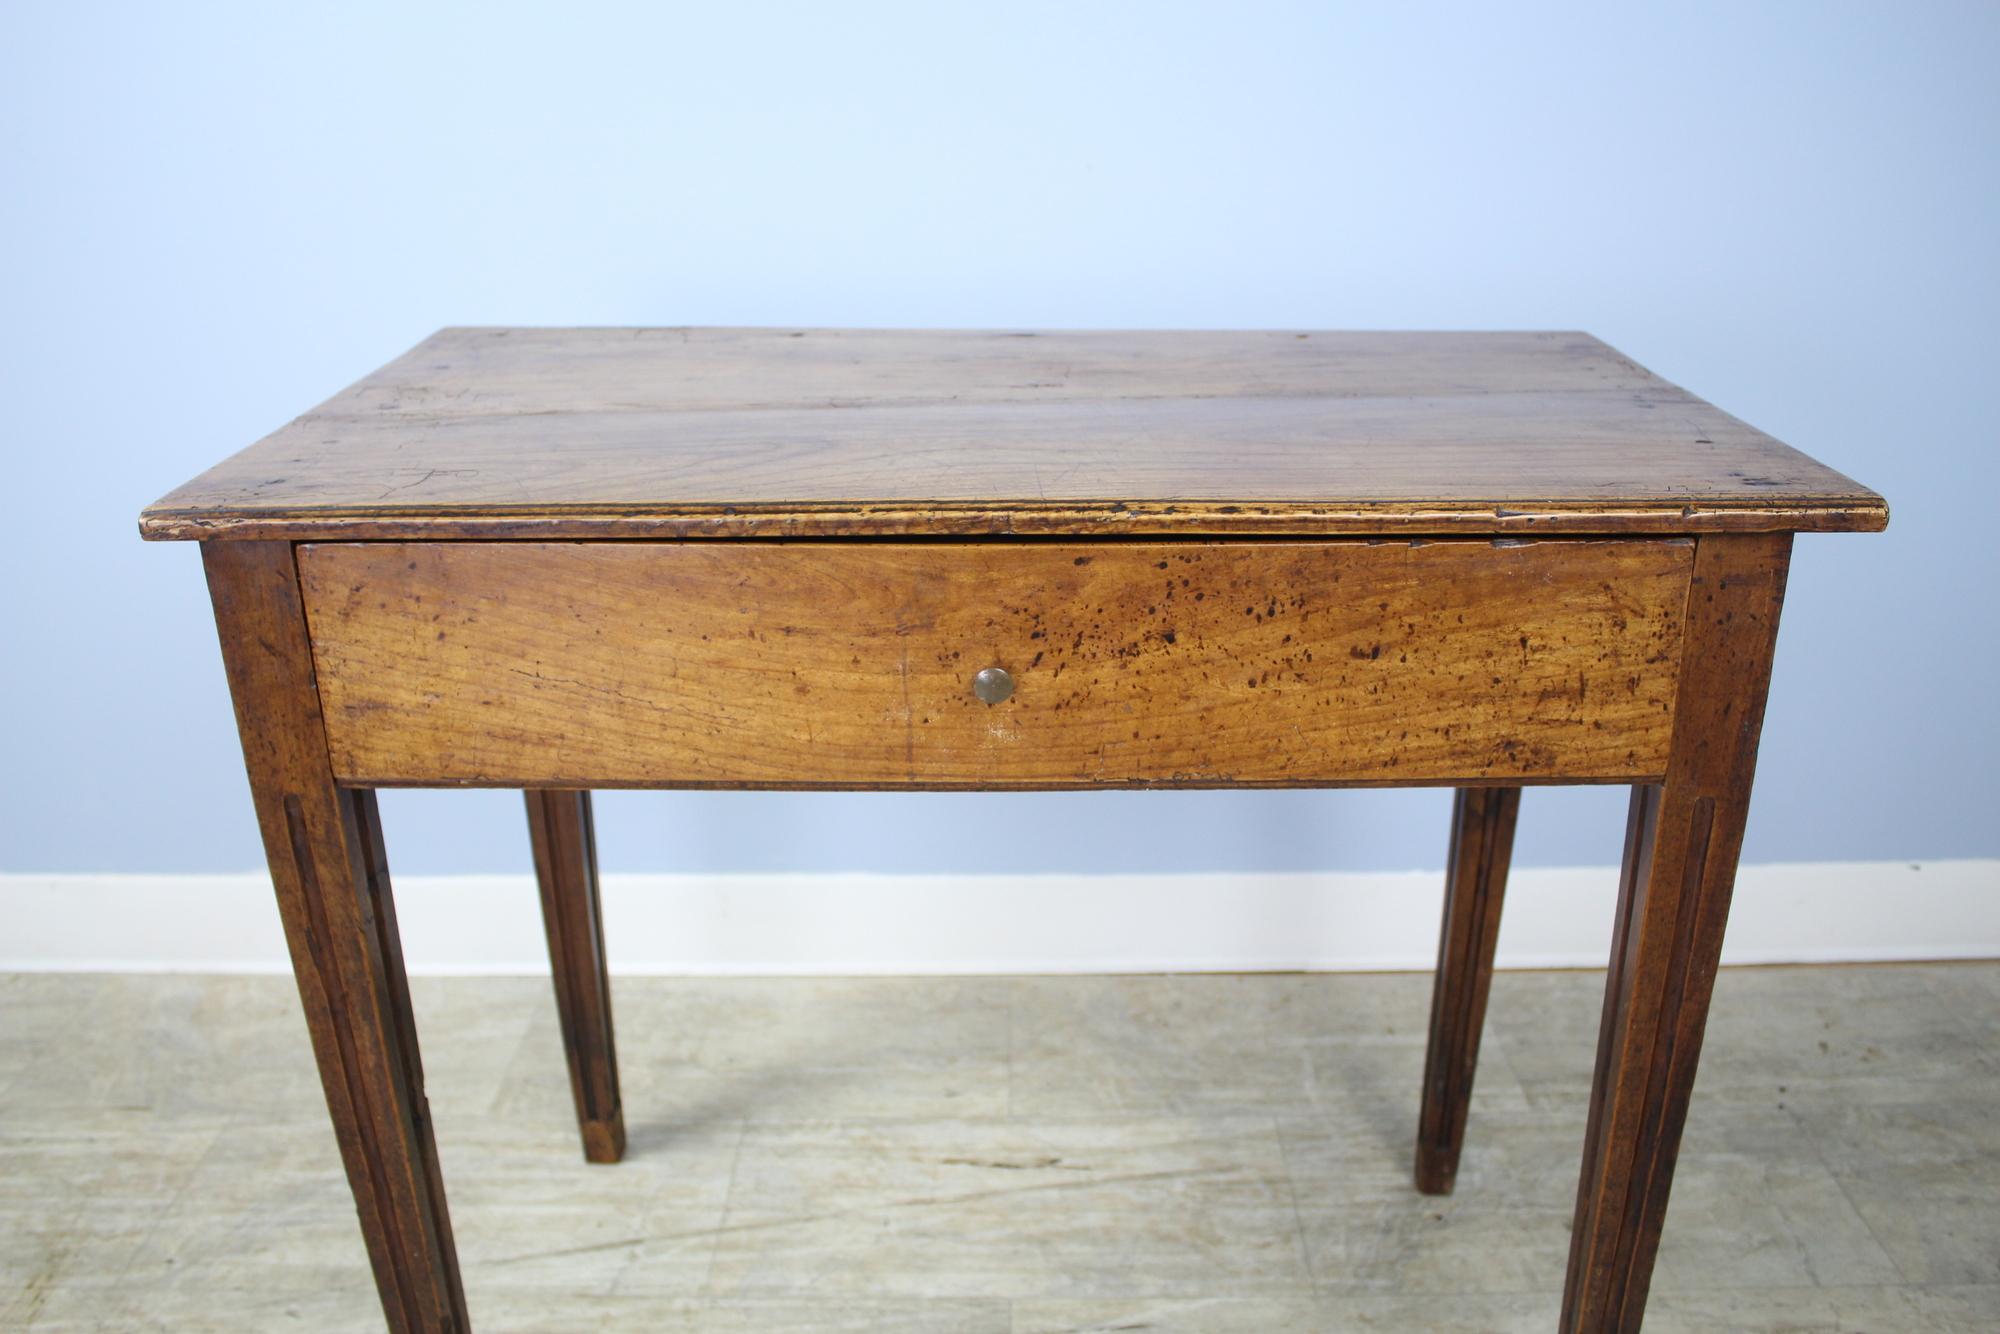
211, 219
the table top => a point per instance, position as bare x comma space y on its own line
581, 433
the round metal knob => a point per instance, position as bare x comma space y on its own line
992, 684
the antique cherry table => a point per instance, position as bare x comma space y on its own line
559, 560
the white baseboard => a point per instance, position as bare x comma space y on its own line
862, 924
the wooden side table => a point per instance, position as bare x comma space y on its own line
560, 560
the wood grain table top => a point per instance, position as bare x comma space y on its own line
683, 433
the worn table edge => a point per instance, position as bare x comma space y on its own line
1861, 512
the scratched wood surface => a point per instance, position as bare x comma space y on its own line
849, 664
574, 433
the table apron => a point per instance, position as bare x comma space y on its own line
849, 664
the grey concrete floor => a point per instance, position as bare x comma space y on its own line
1210, 1153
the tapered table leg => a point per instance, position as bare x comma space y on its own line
324, 844
1680, 865
1482, 840
565, 844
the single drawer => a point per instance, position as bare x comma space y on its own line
853, 664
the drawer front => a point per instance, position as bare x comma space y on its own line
852, 665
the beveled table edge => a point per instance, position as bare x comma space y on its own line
1858, 512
